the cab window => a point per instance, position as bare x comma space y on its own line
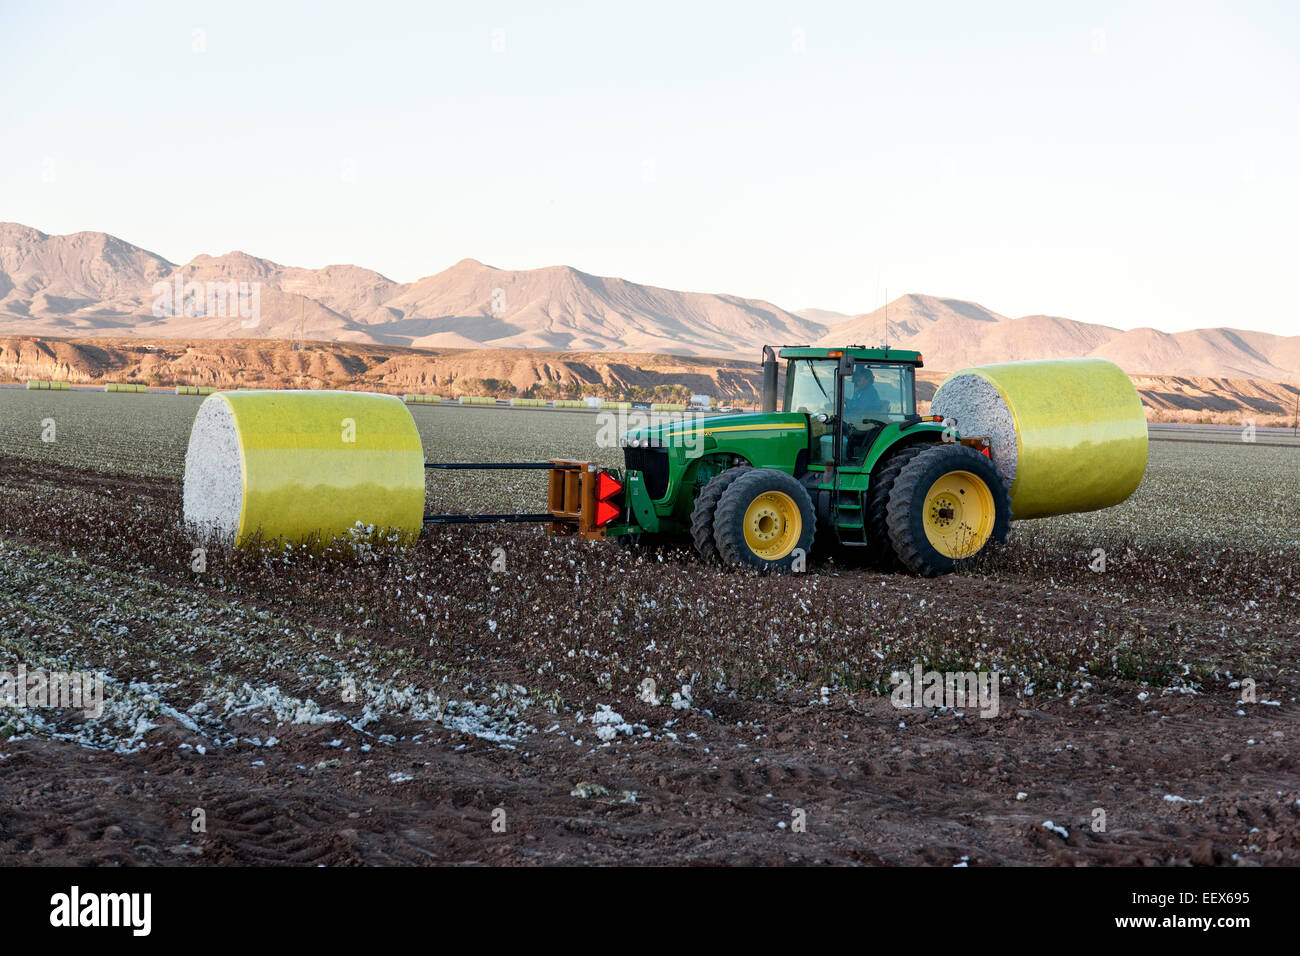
877, 392
810, 386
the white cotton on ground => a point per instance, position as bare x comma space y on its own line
979, 410
214, 479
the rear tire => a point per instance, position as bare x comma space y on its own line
948, 507
880, 550
705, 506
764, 520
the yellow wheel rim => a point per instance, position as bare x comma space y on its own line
773, 525
959, 514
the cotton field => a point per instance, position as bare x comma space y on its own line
494, 694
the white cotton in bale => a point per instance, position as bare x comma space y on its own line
214, 474
978, 409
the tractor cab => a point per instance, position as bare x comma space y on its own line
851, 396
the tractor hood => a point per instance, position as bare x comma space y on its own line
703, 435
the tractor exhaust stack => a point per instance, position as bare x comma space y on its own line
769, 379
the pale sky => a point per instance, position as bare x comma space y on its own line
1127, 164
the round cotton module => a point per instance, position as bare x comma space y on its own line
302, 466
1068, 435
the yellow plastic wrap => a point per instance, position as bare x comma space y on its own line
317, 462
1080, 432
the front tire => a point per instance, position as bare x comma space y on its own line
949, 506
705, 505
764, 520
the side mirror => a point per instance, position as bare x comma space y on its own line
846, 365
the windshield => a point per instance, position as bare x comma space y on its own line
810, 386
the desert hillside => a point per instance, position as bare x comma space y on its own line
506, 372
951, 333
91, 284
280, 364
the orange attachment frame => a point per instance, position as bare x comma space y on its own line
571, 498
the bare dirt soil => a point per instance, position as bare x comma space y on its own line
385, 707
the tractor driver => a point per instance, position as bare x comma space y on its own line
866, 401
865, 411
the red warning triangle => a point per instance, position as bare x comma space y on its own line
607, 486
605, 513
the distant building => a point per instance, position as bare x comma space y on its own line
592, 402
704, 401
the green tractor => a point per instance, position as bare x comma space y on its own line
846, 463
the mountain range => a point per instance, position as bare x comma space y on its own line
91, 284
